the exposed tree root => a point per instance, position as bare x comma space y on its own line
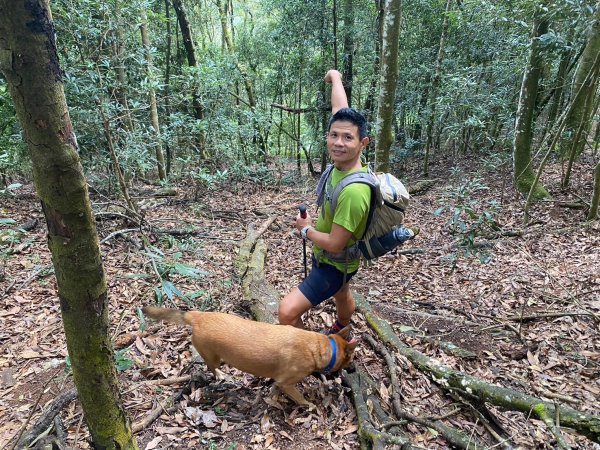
366, 430
451, 379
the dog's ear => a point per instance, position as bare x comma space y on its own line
345, 332
351, 346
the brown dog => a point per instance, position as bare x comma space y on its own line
282, 352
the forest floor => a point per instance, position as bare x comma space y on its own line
527, 304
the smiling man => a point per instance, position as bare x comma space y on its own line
333, 233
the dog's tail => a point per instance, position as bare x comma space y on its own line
166, 314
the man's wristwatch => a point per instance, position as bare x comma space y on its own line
304, 232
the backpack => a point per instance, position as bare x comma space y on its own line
384, 230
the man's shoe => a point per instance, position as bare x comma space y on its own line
414, 231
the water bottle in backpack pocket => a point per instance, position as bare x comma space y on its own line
378, 246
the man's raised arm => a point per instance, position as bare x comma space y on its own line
339, 99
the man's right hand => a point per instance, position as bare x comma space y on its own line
331, 75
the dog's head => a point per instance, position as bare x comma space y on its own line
345, 348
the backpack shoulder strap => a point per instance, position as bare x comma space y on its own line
357, 177
322, 183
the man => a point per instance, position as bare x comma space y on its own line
346, 139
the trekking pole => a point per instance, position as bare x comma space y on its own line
302, 209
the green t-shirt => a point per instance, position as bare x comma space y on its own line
352, 212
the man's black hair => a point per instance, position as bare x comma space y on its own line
353, 116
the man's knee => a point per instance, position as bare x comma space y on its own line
286, 314
292, 307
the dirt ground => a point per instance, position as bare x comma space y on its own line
529, 313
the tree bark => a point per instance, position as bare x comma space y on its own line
388, 80
162, 175
522, 161
348, 73
593, 212
579, 121
29, 60
190, 51
435, 85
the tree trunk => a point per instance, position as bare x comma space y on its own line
435, 85
348, 75
335, 43
120, 92
29, 60
152, 94
579, 121
190, 51
388, 80
523, 171
169, 155
370, 101
593, 212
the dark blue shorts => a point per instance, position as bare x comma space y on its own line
323, 282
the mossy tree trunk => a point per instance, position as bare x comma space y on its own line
579, 121
435, 86
524, 175
388, 80
29, 61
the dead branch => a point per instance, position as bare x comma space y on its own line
168, 405
118, 233
167, 381
585, 424
293, 110
551, 315
47, 418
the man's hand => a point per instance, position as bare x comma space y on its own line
302, 222
332, 75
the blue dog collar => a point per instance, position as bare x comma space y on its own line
333, 356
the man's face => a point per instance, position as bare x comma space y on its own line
344, 144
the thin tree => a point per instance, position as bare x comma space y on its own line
152, 97
523, 173
348, 74
593, 212
388, 80
190, 52
29, 60
435, 85
579, 121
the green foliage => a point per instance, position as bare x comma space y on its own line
468, 219
122, 362
167, 267
9, 190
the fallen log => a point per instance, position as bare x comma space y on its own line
585, 424
261, 297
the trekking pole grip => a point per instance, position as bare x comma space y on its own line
302, 209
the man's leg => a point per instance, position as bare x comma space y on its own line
344, 305
292, 307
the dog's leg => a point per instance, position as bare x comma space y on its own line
212, 360
292, 392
